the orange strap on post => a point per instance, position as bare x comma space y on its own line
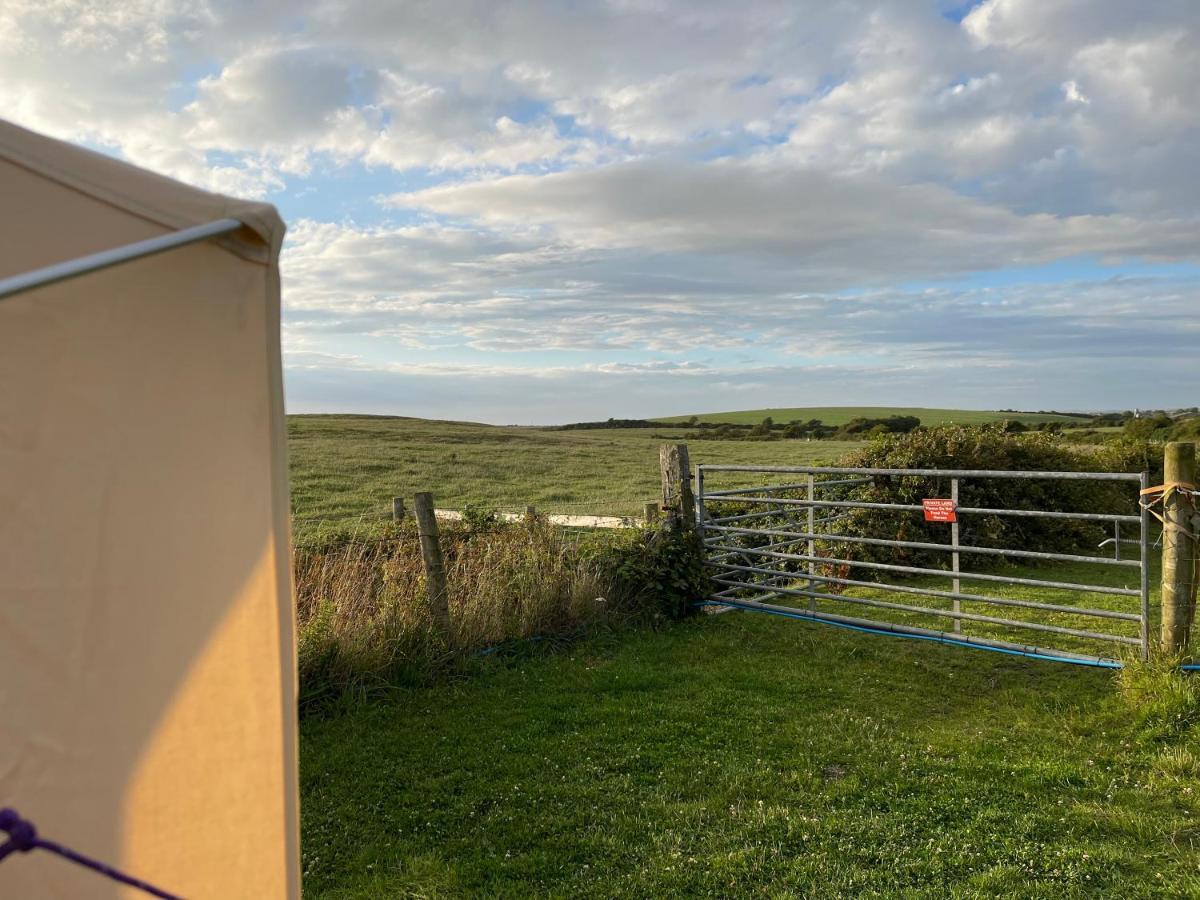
1161, 492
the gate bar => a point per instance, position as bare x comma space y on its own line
1144, 539
767, 513
916, 570
930, 473
758, 489
761, 489
920, 545
912, 507
927, 633
926, 611
932, 592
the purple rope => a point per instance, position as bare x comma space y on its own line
23, 837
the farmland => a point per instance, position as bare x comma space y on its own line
346, 469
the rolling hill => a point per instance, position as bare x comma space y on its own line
839, 415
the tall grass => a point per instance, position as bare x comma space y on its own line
365, 621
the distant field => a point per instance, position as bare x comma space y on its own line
839, 415
347, 468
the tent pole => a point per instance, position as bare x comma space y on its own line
105, 258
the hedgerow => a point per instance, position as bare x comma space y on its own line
990, 447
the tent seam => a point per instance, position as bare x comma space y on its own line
263, 231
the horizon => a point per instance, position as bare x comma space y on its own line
543, 212
663, 419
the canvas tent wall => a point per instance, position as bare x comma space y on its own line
147, 659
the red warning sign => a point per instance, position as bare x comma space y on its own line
938, 510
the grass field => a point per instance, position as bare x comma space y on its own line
347, 468
746, 755
840, 415
733, 755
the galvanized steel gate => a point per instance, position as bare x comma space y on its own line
781, 540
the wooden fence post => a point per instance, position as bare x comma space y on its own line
397, 509
435, 566
678, 499
650, 511
1178, 547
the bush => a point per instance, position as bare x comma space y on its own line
884, 425
988, 447
1148, 427
661, 572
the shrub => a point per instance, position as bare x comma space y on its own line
987, 447
1148, 427
661, 571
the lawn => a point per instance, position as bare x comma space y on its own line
346, 469
840, 415
747, 755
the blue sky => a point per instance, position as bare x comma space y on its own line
549, 211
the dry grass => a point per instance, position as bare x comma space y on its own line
365, 620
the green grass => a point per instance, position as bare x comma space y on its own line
840, 415
346, 469
735, 755
747, 755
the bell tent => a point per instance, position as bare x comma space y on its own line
147, 655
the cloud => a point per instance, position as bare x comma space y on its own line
469, 87
829, 229
667, 199
427, 287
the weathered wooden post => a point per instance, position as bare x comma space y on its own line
397, 509
530, 513
1178, 545
650, 511
678, 500
435, 566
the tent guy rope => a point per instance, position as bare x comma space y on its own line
23, 837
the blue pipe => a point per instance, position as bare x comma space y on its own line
921, 637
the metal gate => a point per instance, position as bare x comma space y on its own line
771, 544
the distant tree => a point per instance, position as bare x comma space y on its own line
1145, 427
889, 424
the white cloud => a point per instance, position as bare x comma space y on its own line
666, 187
831, 230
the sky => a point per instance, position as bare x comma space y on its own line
543, 212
